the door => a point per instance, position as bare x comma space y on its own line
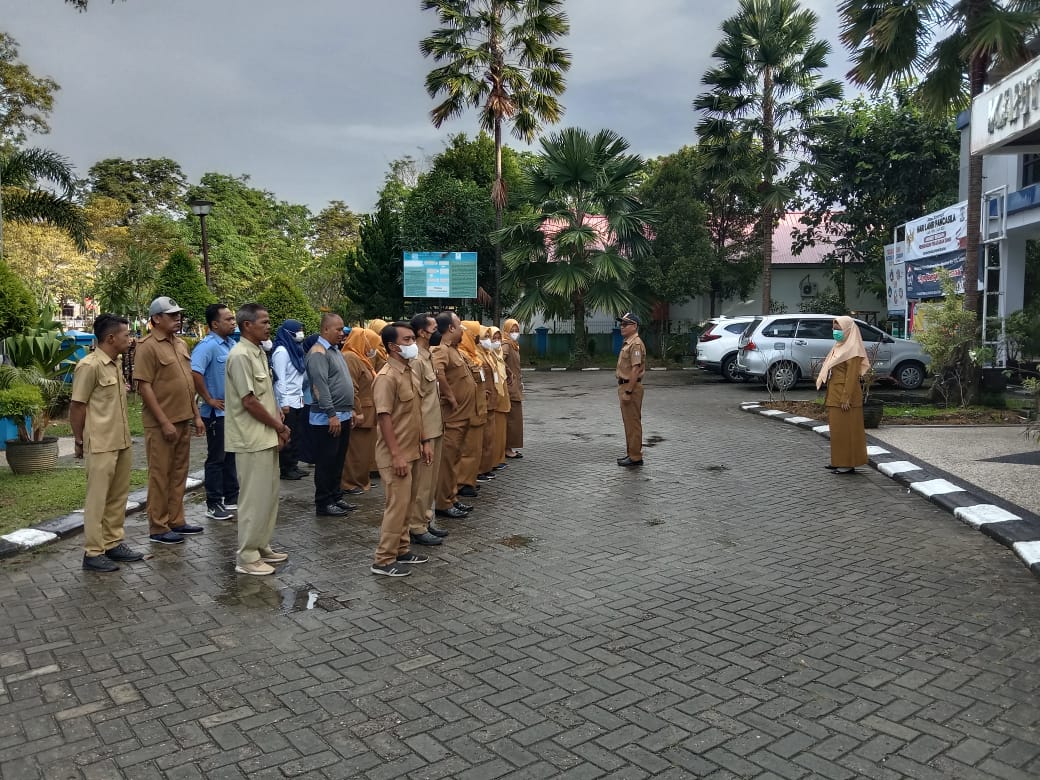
879, 351
812, 343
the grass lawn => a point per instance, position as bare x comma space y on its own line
133, 411
30, 499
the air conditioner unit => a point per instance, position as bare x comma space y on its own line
808, 289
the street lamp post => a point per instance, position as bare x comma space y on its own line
201, 208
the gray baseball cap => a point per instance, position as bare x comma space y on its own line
163, 305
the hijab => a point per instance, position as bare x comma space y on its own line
850, 346
498, 360
376, 326
507, 328
285, 337
357, 343
468, 342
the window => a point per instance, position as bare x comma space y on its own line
780, 329
869, 334
815, 329
1030, 169
736, 327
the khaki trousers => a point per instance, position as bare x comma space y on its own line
400, 496
499, 448
487, 446
257, 502
167, 474
452, 442
108, 484
426, 476
472, 450
360, 455
632, 417
515, 428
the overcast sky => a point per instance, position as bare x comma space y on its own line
314, 98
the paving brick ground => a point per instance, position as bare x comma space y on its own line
731, 610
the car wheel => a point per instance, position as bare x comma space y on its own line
910, 375
731, 371
783, 375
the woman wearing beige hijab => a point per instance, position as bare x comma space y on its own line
515, 420
841, 371
379, 360
503, 405
473, 447
357, 350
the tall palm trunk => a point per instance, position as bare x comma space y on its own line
976, 79
766, 223
581, 337
498, 195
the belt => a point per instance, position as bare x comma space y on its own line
625, 381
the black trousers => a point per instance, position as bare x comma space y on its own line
329, 454
289, 455
221, 473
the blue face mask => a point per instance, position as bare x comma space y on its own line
838, 335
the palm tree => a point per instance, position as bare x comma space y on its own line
953, 44
574, 251
766, 84
23, 201
499, 59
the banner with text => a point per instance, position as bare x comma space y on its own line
895, 278
922, 276
440, 274
938, 233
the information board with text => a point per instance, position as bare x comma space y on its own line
440, 274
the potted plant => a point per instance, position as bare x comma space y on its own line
29, 401
873, 408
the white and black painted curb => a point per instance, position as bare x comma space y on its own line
998, 519
51, 530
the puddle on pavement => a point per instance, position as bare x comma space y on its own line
720, 467
516, 541
653, 440
257, 593
655, 521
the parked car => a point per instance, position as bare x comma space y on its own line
786, 348
717, 347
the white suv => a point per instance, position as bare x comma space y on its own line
717, 347
785, 348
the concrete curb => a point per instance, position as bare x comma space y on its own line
600, 368
60, 527
1002, 521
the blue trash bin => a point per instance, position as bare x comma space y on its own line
541, 341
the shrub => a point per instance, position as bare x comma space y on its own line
284, 301
946, 331
18, 402
182, 280
17, 306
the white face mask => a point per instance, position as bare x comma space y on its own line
515, 336
486, 343
267, 345
410, 351
299, 336
496, 345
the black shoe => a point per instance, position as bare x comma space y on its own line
353, 492
627, 461
123, 553
484, 477
843, 471
410, 558
170, 537
438, 532
426, 539
99, 563
294, 474
217, 511
463, 507
830, 467
499, 467
390, 569
188, 530
468, 491
450, 512
346, 505
331, 510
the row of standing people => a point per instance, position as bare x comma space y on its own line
261, 416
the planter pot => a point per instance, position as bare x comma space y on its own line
872, 413
32, 457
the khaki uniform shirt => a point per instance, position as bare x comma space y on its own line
450, 362
165, 363
633, 353
362, 377
422, 367
514, 379
98, 383
396, 392
247, 373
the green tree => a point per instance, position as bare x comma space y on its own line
146, 185
334, 234
577, 249
282, 298
767, 86
24, 200
499, 58
17, 306
182, 280
27, 100
372, 278
127, 287
953, 44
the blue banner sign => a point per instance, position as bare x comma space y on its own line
440, 275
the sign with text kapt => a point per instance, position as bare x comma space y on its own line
937, 233
440, 274
1006, 111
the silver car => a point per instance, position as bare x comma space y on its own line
717, 346
786, 348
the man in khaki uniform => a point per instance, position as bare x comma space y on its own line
631, 365
458, 393
101, 429
254, 430
162, 371
420, 517
401, 449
